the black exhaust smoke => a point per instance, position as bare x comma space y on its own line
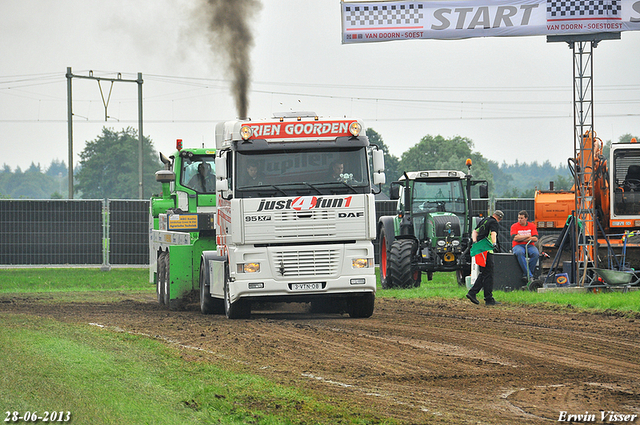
230, 35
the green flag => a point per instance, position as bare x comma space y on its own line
481, 246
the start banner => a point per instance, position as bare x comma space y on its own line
404, 20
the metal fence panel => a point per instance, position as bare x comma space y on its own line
128, 232
93, 232
510, 207
45, 232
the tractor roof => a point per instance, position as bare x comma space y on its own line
414, 175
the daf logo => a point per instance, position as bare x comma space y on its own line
351, 214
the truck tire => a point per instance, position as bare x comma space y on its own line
241, 309
160, 272
400, 271
361, 306
208, 304
385, 282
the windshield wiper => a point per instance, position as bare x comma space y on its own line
309, 185
263, 186
340, 182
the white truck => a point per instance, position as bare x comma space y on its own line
295, 216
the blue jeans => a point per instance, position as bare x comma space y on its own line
519, 251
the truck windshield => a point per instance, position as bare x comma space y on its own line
302, 172
198, 173
434, 196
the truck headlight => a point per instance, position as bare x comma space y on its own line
249, 268
455, 242
246, 132
441, 242
361, 263
355, 128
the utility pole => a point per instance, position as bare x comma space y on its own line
119, 78
69, 76
586, 249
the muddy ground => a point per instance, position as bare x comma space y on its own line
418, 361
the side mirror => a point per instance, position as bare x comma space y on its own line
394, 191
483, 190
221, 168
222, 185
166, 161
378, 161
379, 178
165, 176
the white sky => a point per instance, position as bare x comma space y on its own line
511, 96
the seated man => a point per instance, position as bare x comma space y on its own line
524, 237
204, 181
337, 170
252, 177
338, 174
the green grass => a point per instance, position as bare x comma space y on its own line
444, 285
73, 279
104, 377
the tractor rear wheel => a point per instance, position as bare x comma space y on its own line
385, 282
400, 271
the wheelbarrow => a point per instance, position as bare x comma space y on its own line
616, 278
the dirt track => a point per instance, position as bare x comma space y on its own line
419, 361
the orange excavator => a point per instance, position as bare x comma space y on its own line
612, 190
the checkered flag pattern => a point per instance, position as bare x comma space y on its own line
581, 9
401, 14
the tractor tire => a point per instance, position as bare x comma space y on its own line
385, 281
400, 271
417, 278
461, 275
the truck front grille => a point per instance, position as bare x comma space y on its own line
297, 224
321, 262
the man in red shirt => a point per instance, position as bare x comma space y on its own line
524, 236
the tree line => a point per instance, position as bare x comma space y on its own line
108, 169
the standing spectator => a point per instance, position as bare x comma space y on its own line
485, 237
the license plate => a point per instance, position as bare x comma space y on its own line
305, 286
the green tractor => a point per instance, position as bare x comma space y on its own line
431, 232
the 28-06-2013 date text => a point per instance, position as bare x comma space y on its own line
53, 416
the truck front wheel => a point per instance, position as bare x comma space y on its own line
241, 309
361, 306
208, 304
400, 270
